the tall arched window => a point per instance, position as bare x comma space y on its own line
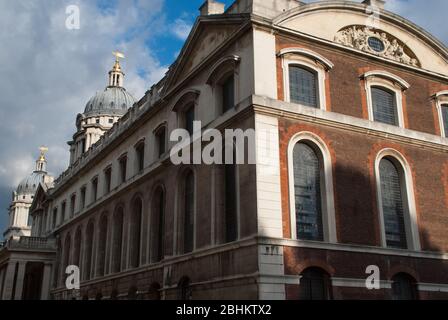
77, 251
66, 261
315, 285
184, 289
404, 287
384, 104
188, 217
303, 86
392, 204
135, 232
89, 250
117, 240
158, 223
308, 194
230, 198
102, 241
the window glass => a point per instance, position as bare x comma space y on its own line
303, 86
384, 106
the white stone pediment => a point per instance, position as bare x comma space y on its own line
335, 21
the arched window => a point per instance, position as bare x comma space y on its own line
188, 118
188, 217
66, 260
135, 233
393, 205
315, 285
102, 241
307, 192
77, 251
230, 198
303, 86
158, 223
184, 289
384, 103
404, 287
89, 250
132, 293
117, 240
154, 291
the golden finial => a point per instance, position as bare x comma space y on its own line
117, 55
42, 150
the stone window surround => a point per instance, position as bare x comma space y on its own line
310, 60
441, 98
389, 81
410, 214
328, 209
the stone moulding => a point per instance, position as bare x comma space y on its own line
376, 42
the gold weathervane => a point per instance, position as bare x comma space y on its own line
42, 150
118, 55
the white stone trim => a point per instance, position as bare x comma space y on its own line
432, 287
352, 248
294, 56
328, 210
377, 79
308, 53
358, 283
410, 214
441, 99
389, 76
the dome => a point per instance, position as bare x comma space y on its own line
113, 100
28, 186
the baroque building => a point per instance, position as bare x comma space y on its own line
353, 176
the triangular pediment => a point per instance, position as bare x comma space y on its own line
205, 38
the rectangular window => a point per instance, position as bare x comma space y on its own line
123, 166
384, 106
445, 118
95, 189
303, 86
107, 179
72, 205
63, 211
83, 198
55, 217
161, 142
189, 119
140, 153
228, 94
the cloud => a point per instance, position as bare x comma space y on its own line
181, 28
49, 72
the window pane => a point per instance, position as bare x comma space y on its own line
161, 142
189, 213
445, 118
228, 94
403, 287
392, 201
307, 193
384, 106
314, 285
231, 222
303, 86
189, 118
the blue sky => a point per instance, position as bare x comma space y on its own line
49, 73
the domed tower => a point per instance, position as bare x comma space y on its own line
22, 199
101, 112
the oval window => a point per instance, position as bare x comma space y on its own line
376, 44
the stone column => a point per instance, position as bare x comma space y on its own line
46, 282
9, 280
19, 280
